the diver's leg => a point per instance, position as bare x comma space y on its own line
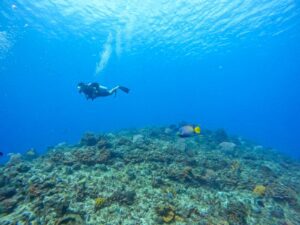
114, 90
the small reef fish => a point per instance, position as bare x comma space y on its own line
1, 154
188, 131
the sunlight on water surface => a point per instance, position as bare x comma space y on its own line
163, 25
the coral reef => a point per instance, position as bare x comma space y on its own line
168, 214
236, 213
151, 176
259, 190
30, 154
71, 219
99, 203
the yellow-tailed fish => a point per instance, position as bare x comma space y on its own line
189, 131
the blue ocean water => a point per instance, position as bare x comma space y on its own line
228, 64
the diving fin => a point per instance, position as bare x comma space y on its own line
125, 89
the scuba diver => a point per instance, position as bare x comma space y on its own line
94, 90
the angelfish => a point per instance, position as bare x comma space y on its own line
188, 131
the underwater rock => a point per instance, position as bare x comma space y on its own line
168, 130
70, 219
48, 167
180, 145
215, 163
131, 175
28, 216
138, 139
103, 143
124, 141
68, 170
34, 191
186, 175
81, 193
56, 157
23, 168
266, 171
31, 154
3, 180
157, 182
88, 156
282, 193
236, 213
101, 167
15, 158
56, 203
123, 197
7, 192
7, 205
220, 136
48, 184
89, 139
155, 133
227, 146
61, 207
91, 156
259, 202
105, 156
76, 166
277, 212
38, 189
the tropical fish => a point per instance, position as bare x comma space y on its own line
188, 131
1, 153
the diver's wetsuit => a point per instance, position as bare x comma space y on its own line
94, 90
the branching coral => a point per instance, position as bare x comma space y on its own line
282, 193
236, 213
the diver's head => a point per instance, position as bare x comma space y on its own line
80, 86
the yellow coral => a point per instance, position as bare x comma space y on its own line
178, 218
99, 202
169, 216
259, 190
